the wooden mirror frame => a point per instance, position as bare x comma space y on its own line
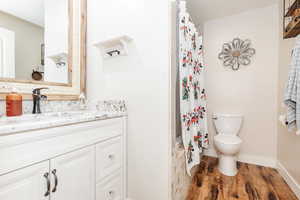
76, 62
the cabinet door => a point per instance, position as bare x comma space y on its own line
31, 183
75, 174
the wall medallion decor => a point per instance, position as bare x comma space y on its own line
236, 53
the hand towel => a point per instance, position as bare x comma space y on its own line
292, 93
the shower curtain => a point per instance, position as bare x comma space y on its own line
192, 90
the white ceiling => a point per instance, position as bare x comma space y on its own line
29, 10
203, 10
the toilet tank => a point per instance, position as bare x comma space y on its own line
228, 123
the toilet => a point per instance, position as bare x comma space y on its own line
227, 141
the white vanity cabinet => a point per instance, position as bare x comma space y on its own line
69, 176
84, 161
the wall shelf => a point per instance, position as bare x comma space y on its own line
60, 59
292, 8
114, 47
292, 29
291, 18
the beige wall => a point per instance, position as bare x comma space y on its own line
288, 142
252, 90
28, 40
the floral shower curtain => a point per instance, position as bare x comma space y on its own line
192, 91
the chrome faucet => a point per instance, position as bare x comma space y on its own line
37, 97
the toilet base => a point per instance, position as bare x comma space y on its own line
228, 165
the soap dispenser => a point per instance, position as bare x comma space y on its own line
82, 102
14, 103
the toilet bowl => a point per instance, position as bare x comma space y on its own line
227, 141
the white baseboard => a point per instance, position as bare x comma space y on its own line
258, 160
289, 179
251, 159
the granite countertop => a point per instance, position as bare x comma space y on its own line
29, 122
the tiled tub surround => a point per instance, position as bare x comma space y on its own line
60, 113
180, 180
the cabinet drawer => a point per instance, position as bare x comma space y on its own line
108, 157
111, 188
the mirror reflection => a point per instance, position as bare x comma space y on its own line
34, 41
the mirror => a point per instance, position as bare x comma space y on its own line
34, 41
43, 42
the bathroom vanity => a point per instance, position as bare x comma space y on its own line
60, 156
78, 155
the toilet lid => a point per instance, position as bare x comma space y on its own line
228, 139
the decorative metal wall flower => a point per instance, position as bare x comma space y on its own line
236, 53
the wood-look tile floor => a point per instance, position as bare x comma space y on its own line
251, 183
